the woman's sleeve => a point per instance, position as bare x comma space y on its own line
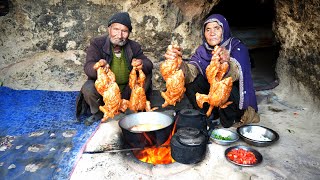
190, 72
233, 70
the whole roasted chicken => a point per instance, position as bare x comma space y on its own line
174, 77
108, 88
219, 88
138, 99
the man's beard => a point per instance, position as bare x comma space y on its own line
118, 42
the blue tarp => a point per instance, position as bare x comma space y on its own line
40, 136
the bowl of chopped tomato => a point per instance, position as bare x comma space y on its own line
224, 136
243, 156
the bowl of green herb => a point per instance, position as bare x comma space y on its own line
224, 136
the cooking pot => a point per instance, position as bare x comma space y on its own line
191, 118
188, 145
146, 129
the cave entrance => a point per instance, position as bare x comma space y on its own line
4, 7
251, 21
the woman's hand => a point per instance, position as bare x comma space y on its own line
173, 52
223, 54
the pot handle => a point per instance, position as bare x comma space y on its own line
176, 116
206, 135
176, 112
210, 123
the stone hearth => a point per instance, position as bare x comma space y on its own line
109, 134
113, 139
155, 170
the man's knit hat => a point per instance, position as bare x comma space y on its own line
122, 18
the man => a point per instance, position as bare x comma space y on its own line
118, 51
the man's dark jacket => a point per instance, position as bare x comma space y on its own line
100, 48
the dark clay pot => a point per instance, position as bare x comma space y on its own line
188, 145
191, 118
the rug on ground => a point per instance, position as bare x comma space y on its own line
40, 137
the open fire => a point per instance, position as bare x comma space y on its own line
156, 155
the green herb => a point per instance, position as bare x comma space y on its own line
216, 136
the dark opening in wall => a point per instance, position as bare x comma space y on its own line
4, 7
251, 22
242, 13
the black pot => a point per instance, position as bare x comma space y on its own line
191, 118
146, 138
188, 145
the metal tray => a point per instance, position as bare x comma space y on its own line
255, 152
258, 131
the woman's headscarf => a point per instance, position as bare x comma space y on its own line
238, 54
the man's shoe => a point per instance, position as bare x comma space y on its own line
93, 118
81, 106
98, 116
90, 120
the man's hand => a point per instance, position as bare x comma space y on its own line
100, 63
137, 63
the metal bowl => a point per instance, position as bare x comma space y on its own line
257, 135
159, 128
224, 133
255, 152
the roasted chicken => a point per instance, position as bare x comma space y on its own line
170, 65
138, 99
219, 88
108, 88
174, 77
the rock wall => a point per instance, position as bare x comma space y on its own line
42, 42
297, 27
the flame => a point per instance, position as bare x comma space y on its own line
157, 155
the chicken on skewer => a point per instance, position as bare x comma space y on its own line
174, 77
219, 88
138, 99
108, 88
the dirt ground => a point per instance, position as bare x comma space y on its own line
293, 156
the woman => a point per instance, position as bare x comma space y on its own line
216, 31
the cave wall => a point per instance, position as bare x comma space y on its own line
42, 42
297, 28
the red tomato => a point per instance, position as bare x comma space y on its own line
242, 156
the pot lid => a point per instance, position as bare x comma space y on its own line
190, 112
190, 136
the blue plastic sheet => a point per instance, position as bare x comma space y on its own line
40, 136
